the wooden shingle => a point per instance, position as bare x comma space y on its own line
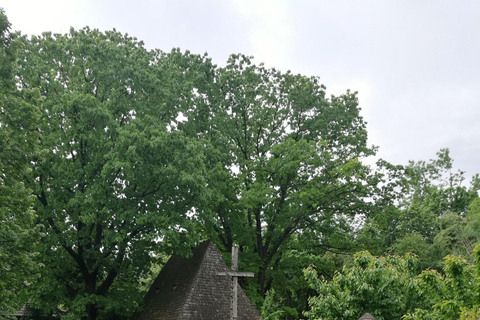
189, 288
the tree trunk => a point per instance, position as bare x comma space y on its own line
261, 282
90, 288
91, 312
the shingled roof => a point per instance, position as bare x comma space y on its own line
189, 288
367, 316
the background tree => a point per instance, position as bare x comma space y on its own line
119, 181
430, 216
18, 146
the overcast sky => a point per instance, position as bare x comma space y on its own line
415, 64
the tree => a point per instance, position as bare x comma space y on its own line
18, 146
429, 216
383, 287
458, 234
284, 159
119, 182
454, 295
470, 236
288, 295
389, 288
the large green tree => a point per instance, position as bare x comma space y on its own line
285, 159
18, 147
119, 182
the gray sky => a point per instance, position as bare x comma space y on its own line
415, 63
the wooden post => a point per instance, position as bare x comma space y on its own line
234, 283
235, 274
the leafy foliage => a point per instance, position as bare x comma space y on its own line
119, 181
430, 217
18, 147
284, 160
144, 153
388, 288
383, 287
452, 296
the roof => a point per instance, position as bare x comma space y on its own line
189, 288
367, 316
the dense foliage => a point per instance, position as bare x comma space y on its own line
389, 288
435, 215
383, 287
452, 295
113, 156
118, 182
284, 164
18, 147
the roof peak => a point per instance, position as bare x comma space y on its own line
189, 288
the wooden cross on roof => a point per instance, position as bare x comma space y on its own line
235, 274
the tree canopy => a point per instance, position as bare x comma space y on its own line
284, 160
141, 145
432, 218
113, 156
118, 182
389, 288
18, 147
383, 287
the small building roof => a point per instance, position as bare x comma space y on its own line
189, 288
367, 316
